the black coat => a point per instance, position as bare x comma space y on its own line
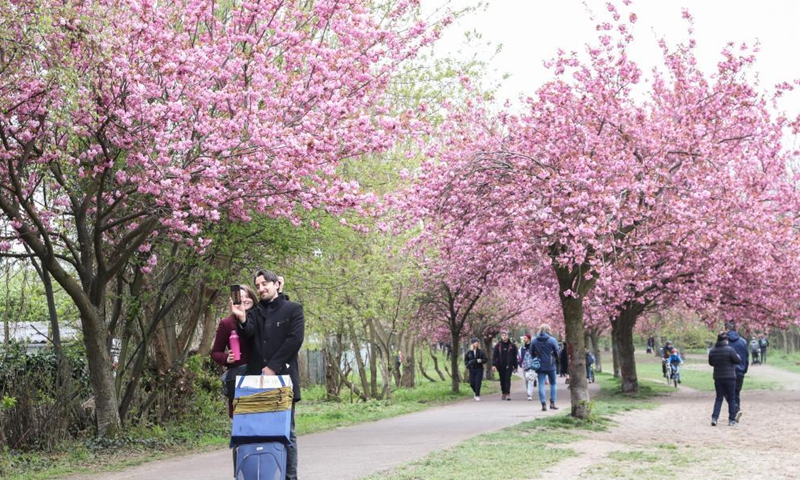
471, 359
724, 360
276, 330
504, 355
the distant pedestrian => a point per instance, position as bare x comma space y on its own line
740, 345
755, 352
563, 361
725, 360
546, 349
504, 362
763, 343
651, 344
475, 360
526, 362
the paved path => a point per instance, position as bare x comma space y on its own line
353, 452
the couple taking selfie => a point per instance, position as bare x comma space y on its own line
263, 335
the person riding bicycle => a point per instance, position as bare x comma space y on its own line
666, 351
675, 363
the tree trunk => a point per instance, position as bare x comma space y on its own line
624, 325
615, 350
436, 365
408, 378
373, 364
598, 357
455, 342
572, 308
488, 374
99, 361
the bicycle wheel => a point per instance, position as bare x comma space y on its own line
675, 379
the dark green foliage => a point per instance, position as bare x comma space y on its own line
35, 412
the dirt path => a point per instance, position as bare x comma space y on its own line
676, 438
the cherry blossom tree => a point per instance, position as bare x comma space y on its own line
123, 121
600, 166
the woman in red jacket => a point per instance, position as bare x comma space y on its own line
220, 351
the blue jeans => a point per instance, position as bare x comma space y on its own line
552, 376
725, 388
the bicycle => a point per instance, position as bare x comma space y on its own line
673, 374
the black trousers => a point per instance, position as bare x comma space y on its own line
505, 379
291, 452
739, 383
475, 380
725, 388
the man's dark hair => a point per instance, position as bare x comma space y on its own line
268, 275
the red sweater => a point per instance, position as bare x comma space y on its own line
226, 326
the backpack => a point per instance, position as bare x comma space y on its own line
530, 362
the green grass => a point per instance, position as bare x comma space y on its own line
541, 443
315, 415
647, 463
783, 360
143, 444
695, 374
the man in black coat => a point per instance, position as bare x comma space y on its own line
724, 359
275, 327
504, 362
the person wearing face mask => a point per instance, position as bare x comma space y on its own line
221, 352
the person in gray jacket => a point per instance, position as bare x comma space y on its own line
724, 359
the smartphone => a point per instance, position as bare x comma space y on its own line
236, 294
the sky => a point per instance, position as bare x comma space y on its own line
531, 31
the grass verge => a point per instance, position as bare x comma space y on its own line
548, 437
144, 444
695, 374
783, 360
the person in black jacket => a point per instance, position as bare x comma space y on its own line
504, 362
275, 327
724, 359
475, 360
739, 344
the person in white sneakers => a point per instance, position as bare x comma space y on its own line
528, 362
475, 360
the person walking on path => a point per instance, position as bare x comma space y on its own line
763, 343
276, 328
526, 361
739, 344
546, 349
562, 361
504, 362
725, 360
221, 352
475, 360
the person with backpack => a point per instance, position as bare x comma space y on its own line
529, 363
763, 343
589, 362
546, 349
475, 360
755, 351
504, 362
